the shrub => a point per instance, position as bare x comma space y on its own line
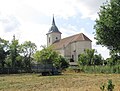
110, 86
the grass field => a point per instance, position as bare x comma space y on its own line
65, 82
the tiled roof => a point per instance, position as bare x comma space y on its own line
65, 41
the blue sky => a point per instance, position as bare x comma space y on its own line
31, 19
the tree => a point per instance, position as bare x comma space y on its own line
14, 50
98, 59
90, 55
46, 54
3, 51
27, 49
87, 57
50, 56
90, 58
63, 62
108, 26
83, 60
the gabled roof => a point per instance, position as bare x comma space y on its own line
65, 41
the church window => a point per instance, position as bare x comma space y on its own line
49, 39
56, 38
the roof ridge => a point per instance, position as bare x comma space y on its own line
67, 40
71, 36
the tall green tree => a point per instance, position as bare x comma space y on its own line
90, 55
28, 49
108, 25
3, 51
14, 50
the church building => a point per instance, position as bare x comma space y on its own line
70, 47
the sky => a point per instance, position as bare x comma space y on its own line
30, 20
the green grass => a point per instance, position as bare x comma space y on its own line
101, 69
65, 82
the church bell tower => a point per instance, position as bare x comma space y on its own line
53, 34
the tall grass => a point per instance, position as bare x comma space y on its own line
100, 69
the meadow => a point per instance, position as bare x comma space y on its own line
64, 82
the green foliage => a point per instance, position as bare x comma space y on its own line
46, 54
101, 69
98, 59
49, 55
110, 86
14, 56
90, 55
27, 49
114, 60
90, 58
63, 62
83, 59
14, 51
3, 52
108, 25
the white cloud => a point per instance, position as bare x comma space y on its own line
66, 8
28, 32
34, 32
10, 23
62, 8
89, 8
23, 17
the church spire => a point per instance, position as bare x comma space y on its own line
53, 27
53, 22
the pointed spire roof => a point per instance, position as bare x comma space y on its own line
53, 27
53, 22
